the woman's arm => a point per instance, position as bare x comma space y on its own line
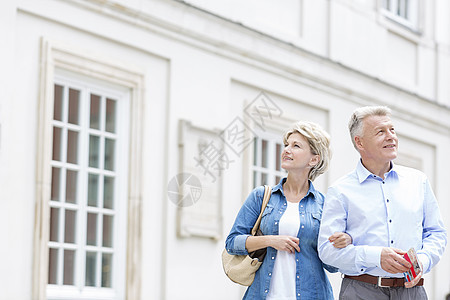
279, 242
235, 242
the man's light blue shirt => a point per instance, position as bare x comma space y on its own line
400, 212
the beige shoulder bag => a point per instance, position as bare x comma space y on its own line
242, 268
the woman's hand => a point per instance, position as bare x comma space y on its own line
340, 239
285, 243
279, 242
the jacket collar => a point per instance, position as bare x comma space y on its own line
311, 190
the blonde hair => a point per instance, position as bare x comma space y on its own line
319, 143
355, 125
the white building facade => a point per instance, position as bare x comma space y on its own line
132, 131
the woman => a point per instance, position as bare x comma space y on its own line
291, 268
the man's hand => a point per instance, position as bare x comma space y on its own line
340, 239
413, 282
392, 260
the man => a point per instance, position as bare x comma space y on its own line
386, 209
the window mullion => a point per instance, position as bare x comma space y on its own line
271, 152
259, 161
82, 216
62, 211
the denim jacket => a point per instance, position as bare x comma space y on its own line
311, 281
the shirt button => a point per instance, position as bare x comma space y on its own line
276, 223
265, 291
387, 200
298, 294
362, 270
303, 226
301, 205
390, 221
270, 274
284, 203
273, 257
383, 182
298, 276
392, 242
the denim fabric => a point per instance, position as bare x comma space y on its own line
311, 281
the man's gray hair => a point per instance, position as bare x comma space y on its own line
355, 125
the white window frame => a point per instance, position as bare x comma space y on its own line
411, 21
57, 58
272, 139
86, 86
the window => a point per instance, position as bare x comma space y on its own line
404, 12
71, 177
267, 159
88, 203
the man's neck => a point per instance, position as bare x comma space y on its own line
378, 169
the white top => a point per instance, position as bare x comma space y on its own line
282, 284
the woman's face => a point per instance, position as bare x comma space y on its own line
297, 155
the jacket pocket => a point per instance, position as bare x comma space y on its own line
265, 218
316, 217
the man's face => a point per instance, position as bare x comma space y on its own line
379, 141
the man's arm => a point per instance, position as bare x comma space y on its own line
434, 236
351, 259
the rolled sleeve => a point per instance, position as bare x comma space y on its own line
239, 245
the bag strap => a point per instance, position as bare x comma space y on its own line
267, 194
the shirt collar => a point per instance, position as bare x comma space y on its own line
311, 190
363, 173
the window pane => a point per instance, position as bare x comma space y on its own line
58, 102
255, 151
94, 144
278, 157
56, 144
69, 228
95, 112
55, 184
74, 100
91, 263
72, 147
255, 179
93, 190
69, 262
406, 9
107, 231
91, 231
52, 265
106, 269
264, 158
110, 125
108, 192
277, 179
263, 178
54, 224
109, 154
71, 186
